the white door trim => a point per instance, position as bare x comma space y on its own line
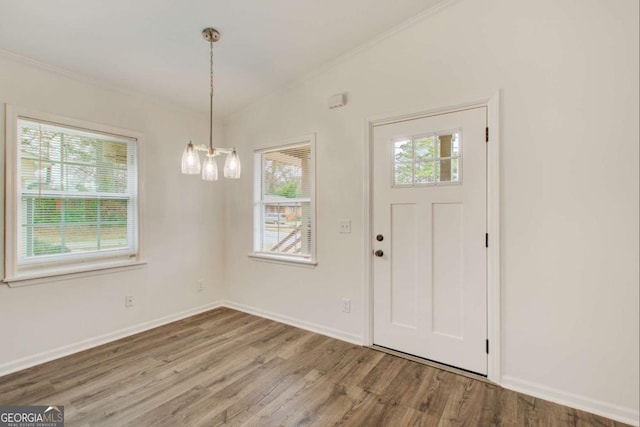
493, 221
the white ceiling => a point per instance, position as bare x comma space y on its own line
155, 47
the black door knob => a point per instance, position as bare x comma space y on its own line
378, 253
379, 238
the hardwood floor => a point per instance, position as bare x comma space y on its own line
225, 367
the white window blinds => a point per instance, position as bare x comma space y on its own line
77, 193
284, 216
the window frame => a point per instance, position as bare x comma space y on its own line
258, 202
47, 269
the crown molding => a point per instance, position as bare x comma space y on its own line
102, 84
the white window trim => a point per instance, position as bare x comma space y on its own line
15, 275
257, 194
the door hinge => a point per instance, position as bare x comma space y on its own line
486, 134
487, 346
486, 240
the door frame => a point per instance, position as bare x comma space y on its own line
493, 220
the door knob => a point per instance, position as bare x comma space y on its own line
378, 253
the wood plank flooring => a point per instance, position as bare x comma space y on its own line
224, 367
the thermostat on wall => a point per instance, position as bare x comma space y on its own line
338, 100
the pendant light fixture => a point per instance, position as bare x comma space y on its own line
190, 157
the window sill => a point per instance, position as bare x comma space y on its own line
283, 259
53, 275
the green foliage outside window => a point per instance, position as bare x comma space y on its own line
53, 211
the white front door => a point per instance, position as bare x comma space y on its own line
429, 224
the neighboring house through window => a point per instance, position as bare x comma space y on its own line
72, 196
284, 215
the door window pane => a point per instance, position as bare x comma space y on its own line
425, 173
427, 159
403, 162
425, 148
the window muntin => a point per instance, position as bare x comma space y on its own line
284, 202
427, 159
75, 200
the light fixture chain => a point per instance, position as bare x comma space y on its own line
211, 97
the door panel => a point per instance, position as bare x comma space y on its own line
448, 290
404, 247
429, 203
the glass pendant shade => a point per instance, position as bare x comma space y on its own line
232, 166
190, 161
209, 169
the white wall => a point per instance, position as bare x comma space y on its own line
569, 74
182, 215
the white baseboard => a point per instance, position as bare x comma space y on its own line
319, 329
47, 356
605, 409
618, 413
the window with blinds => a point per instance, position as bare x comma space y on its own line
77, 194
284, 216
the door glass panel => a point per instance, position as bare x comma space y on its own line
449, 145
403, 162
427, 160
425, 173
448, 165
447, 170
425, 148
403, 150
403, 174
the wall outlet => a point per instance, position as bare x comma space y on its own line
346, 305
200, 285
128, 301
344, 226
